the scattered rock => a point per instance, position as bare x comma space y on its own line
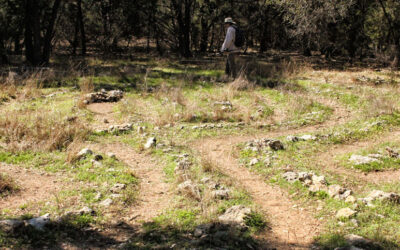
116, 196
118, 187
202, 229
98, 196
189, 188
292, 138
392, 153
303, 176
106, 203
254, 162
355, 222
98, 157
120, 128
235, 215
345, 213
383, 196
276, 145
84, 152
86, 211
221, 194
356, 240
359, 159
317, 187
40, 222
96, 163
350, 199
290, 176
9, 226
338, 192
104, 96
151, 142
319, 179
112, 155
376, 156
308, 138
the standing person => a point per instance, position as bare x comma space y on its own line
230, 48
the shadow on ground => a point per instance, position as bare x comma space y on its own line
76, 232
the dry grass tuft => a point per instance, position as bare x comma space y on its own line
207, 164
241, 83
7, 185
40, 131
86, 86
381, 105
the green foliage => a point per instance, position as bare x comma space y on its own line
255, 221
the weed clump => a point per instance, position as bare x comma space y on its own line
7, 185
40, 131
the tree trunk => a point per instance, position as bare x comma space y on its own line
32, 33
184, 23
264, 37
3, 53
205, 29
76, 38
17, 44
82, 27
49, 33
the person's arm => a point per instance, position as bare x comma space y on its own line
230, 35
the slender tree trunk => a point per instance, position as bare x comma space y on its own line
49, 33
3, 53
264, 37
32, 33
187, 25
205, 30
184, 23
76, 38
82, 27
17, 44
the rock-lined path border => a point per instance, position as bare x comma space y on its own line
331, 165
154, 193
291, 227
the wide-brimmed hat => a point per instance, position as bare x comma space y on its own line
229, 20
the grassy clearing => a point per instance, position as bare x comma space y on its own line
173, 101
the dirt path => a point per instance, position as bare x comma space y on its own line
295, 227
102, 112
34, 186
327, 160
154, 193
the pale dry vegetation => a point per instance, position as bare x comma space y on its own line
40, 130
7, 185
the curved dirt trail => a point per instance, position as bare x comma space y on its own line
102, 111
292, 228
154, 193
331, 165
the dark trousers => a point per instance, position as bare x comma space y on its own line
230, 68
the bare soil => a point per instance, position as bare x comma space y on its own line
295, 226
154, 192
34, 186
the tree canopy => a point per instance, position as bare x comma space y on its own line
351, 28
